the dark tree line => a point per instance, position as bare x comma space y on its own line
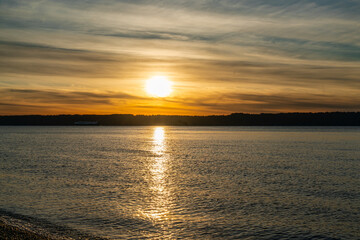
234, 119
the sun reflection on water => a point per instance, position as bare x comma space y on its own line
158, 210
159, 165
159, 141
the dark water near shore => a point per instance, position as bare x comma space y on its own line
186, 182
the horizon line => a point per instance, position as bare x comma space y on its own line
150, 115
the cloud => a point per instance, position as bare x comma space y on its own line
22, 109
63, 97
276, 102
21, 101
299, 102
296, 29
252, 55
155, 35
36, 59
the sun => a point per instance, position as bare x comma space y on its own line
158, 86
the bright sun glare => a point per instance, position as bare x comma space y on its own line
158, 86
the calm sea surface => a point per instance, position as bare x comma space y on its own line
186, 182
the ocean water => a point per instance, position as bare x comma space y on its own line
184, 182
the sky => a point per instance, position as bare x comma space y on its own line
251, 56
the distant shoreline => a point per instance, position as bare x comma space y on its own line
234, 119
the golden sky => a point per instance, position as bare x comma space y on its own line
94, 57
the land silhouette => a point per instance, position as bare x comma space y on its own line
234, 119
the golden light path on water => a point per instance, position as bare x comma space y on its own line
159, 165
158, 210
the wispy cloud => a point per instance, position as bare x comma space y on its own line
14, 101
64, 97
273, 55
